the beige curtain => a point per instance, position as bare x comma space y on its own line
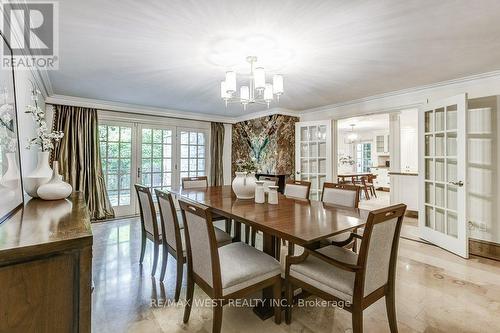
79, 157
216, 147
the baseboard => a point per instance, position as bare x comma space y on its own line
412, 213
485, 249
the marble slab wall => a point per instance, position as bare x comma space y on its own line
267, 141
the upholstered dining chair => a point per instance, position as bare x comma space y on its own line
174, 240
149, 224
202, 181
345, 195
297, 189
229, 272
337, 274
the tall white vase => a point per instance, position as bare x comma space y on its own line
11, 177
41, 175
55, 189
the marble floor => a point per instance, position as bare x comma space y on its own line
436, 292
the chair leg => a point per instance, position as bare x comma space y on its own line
247, 233
367, 196
253, 236
189, 299
289, 302
229, 226
143, 247
164, 261
357, 321
217, 319
155, 259
178, 282
390, 303
374, 192
277, 301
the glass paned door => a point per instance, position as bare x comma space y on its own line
156, 157
193, 152
116, 142
313, 154
442, 216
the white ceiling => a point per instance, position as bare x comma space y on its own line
173, 54
368, 123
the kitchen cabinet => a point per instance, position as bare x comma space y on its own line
382, 144
382, 180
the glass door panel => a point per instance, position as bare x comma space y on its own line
115, 143
442, 203
313, 156
193, 151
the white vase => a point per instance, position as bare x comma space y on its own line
41, 175
55, 189
11, 177
272, 197
244, 185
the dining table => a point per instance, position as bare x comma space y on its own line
354, 176
301, 222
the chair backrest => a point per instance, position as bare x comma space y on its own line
268, 181
341, 194
297, 189
202, 253
379, 248
195, 182
169, 222
147, 209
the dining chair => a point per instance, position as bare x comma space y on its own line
363, 184
297, 189
229, 272
174, 237
345, 195
370, 185
268, 181
149, 224
202, 181
358, 280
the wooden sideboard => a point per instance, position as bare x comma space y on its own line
46, 267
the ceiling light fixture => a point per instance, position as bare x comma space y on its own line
256, 92
352, 136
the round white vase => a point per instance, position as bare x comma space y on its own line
11, 177
244, 185
41, 175
55, 189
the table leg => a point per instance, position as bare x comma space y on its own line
266, 311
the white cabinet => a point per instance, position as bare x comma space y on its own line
382, 179
313, 154
404, 189
382, 144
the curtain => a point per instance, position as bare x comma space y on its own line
216, 147
79, 157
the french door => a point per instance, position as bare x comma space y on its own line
153, 155
313, 158
442, 180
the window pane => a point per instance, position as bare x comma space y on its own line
146, 179
125, 150
113, 133
192, 151
125, 181
201, 138
167, 136
112, 183
146, 150
103, 133
157, 180
167, 165
167, 179
201, 151
113, 197
146, 135
157, 163
124, 166
112, 165
125, 134
201, 164
193, 138
124, 198
113, 149
192, 164
157, 151
167, 151
157, 136
146, 165
184, 138
184, 164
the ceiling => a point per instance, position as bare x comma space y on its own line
173, 54
375, 122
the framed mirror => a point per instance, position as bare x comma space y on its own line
11, 188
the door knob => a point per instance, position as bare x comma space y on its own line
459, 183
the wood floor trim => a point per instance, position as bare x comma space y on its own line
484, 249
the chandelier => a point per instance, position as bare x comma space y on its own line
256, 92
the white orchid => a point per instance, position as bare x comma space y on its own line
44, 138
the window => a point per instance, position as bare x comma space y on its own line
193, 150
116, 159
156, 157
363, 157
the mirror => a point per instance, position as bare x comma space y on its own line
11, 190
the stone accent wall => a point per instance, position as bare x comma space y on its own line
268, 141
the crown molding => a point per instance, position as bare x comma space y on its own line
269, 112
402, 92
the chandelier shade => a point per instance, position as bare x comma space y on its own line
257, 91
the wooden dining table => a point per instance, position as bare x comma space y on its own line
353, 175
300, 221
